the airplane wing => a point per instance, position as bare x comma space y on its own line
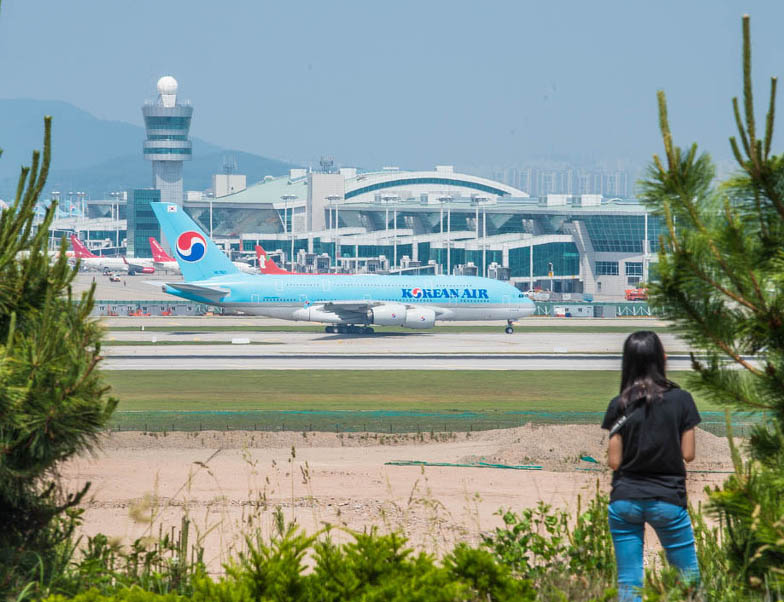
350, 306
349, 309
211, 293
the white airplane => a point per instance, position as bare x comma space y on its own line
163, 261
347, 304
101, 263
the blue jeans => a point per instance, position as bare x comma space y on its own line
627, 526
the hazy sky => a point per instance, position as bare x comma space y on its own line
409, 83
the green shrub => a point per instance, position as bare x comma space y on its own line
539, 544
371, 568
167, 565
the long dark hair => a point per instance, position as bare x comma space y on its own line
643, 372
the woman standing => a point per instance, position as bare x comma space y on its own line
651, 426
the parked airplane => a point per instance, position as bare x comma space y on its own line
347, 303
93, 261
99, 262
245, 268
164, 261
161, 259
139, 266
267, 265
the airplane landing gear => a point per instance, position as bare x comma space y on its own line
349, 329
509, 329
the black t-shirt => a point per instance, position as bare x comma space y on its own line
652, 465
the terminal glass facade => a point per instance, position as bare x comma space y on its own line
142, 222
606, 268
397, 183
634, 268
622, 233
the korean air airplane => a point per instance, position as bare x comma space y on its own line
347, 304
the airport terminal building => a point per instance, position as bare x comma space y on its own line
439, 221
395, 221
391, 221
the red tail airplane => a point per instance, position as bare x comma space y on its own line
99, 262
158, 253
266, 265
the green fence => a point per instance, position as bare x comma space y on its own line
621, 308
381, 421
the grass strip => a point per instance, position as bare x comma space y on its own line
367, 390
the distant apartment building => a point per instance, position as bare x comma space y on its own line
541, 181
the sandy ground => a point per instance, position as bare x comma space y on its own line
229, 483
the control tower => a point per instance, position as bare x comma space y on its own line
167, 123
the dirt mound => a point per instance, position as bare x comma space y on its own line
554, 447
561, 447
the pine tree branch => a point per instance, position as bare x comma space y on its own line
736, 150
686, 199
748, 96
706, 331
770, 117
737, 397
664, 126
741, 131
44, 173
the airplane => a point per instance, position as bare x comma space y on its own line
245, 268
162, 260
100, 263
346, 303
139, 266
268, 266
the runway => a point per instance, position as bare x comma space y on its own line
189, 350
399, 343
214, 359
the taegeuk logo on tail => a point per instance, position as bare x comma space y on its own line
191, 246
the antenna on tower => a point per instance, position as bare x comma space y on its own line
327, 165
229, 164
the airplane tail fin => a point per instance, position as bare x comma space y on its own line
267, 265
80, 250
158, 254
198, 256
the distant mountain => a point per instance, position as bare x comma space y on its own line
97, 156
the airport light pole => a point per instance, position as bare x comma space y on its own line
478, 200
446, 199
286, 198
448, 241
116, 218
484, 241
81, 196
550, 273
391, 199
211, 199
334, 221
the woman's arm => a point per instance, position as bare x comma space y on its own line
688, 445
615, 452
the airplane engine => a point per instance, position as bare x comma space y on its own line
391, 314
420, 317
